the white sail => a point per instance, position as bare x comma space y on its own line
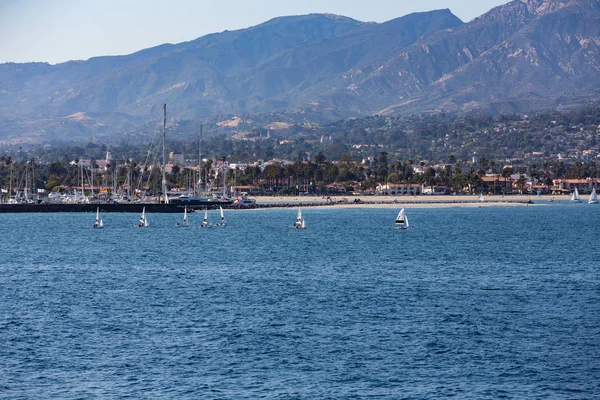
402, 220
575, 196
400, 217
98, 223
204, 223
143, 221
593, 197
299, 224
222, 216
481, 197
185, 221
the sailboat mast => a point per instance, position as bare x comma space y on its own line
200, 188
92, 175
82, 182
164, 161
26, 182
224, 181
11, 179
33, 188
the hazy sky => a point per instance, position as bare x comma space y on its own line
60, 30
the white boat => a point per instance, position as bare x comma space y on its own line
143, 221
481, 197
185, 221
222, 223
402, 220
575, 196
593, 197
205, 223
244, 201
98, 224
299, 224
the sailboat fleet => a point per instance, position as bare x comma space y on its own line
401, 220
576, 198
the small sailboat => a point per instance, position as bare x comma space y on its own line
299, 224
222, 223
98, 224
205, 223
400, 217
575, 196
143, 221
402, 220
481, 199
593, 197
185, 221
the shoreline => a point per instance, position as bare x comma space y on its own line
405, 201
264, 202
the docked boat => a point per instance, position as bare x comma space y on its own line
190, 200
244, 201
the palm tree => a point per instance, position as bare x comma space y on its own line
506, 173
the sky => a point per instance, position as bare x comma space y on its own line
56, 31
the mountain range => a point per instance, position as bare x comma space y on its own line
518, 57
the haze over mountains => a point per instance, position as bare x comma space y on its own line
522, 56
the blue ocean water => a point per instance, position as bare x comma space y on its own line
470, 303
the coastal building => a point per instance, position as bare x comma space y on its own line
176, 158
399, 189
565, 186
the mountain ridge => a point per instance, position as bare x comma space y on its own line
516, 57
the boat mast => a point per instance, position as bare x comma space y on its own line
224, 181
10, 181
26, 181
164, 166
92, 176
200, 188
82, 181
33, 188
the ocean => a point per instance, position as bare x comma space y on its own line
470, 303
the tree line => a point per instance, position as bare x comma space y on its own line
318, 176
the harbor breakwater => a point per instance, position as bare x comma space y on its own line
177, 208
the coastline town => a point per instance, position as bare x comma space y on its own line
100, 181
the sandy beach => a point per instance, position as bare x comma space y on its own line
412, 201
